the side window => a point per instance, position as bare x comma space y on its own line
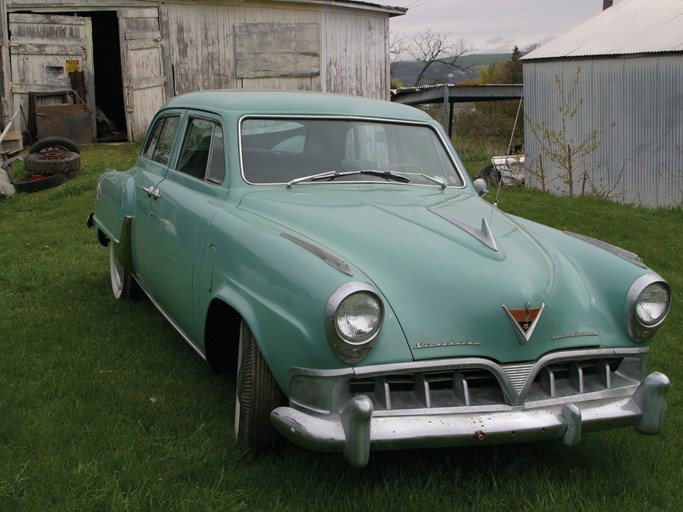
203, 154
160, 144
215, 172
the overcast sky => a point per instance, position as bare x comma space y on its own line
494, 26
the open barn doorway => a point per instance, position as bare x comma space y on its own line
111, 115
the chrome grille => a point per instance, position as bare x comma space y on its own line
430, 389
497, 385
579, 377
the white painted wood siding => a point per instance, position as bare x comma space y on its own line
195, 40
356, 54
203, 46
353, 48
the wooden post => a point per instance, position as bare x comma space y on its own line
446, 104
450, 121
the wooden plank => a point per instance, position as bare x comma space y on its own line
134, 35
279, 65
150, 12
46, 49
147, 82
143, 44
17, 88
270, 50
44, 19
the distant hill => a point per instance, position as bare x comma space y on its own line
406, 71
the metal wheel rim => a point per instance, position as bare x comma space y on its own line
115, 273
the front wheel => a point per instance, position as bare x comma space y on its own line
257, 393
122, 283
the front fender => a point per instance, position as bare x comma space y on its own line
281, 289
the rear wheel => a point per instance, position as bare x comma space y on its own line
257, 393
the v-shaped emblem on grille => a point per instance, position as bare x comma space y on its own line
524, 321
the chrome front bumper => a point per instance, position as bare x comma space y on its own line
361, 425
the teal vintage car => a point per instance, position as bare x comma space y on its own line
332, 252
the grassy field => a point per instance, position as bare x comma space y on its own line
103, 407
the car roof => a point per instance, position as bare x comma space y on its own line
294, 102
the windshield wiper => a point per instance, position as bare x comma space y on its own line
387, 175
331, 175
439, 182
313, 177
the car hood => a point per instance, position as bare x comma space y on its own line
448, 264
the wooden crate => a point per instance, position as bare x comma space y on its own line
12, 143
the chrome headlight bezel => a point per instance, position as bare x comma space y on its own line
344, 347
639, 329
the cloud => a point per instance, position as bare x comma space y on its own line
490, 25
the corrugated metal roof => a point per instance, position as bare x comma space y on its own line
629, 27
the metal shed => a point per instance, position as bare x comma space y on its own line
126, 57
625, 67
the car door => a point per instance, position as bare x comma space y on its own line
182, 206
152, 166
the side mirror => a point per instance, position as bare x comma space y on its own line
480, 187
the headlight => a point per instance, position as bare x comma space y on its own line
647, 304
353, 318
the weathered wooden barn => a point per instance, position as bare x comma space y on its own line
126, 57
625, 67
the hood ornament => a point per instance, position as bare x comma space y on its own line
482, 234
524, 321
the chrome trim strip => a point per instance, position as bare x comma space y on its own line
515, 380
170, 320
328, 257
575, 334
466, 362
441, 344
622, 253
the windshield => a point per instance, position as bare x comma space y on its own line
319, 150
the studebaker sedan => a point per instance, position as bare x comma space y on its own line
333, 253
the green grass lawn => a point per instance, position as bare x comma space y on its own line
104, 407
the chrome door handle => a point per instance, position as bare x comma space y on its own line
152, 192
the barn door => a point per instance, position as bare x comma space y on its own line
143, 67
44, 49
